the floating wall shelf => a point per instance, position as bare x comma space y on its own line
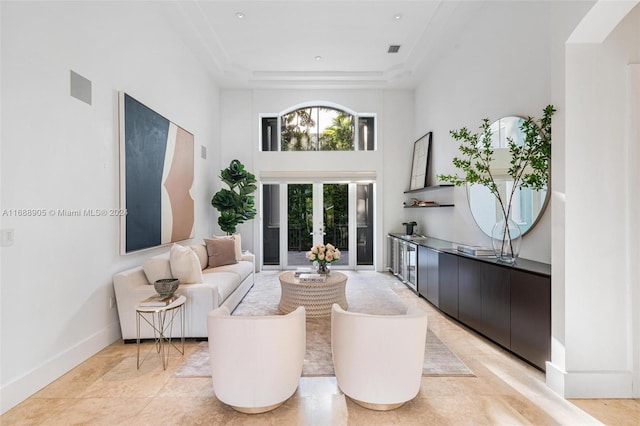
429, 188
429, 207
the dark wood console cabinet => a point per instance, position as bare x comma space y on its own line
509, 304
531, 317
484, 299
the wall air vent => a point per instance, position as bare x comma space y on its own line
393, 48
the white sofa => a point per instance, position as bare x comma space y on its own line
221, 286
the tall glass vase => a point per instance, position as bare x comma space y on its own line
506, 238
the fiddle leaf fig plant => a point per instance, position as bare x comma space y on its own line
236, 204
529, 167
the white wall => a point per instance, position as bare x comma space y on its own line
596, 334
60, 153
391, 161
502, 64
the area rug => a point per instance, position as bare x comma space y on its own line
367, 292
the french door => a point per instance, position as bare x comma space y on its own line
314, 213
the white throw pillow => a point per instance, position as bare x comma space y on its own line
236, 238
157, 268
185, 265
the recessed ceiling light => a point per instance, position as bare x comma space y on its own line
397, 16
318, 58
239, 15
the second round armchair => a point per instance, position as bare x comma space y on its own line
378, 359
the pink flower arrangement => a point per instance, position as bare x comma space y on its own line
323, 253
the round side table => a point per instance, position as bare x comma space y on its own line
161, 319
317, 298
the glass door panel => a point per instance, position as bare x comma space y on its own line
300, 226
271, 224
335, 214
365, 223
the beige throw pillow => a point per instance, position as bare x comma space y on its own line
185, 265
221, 251
238, 243
157, 268
201, 251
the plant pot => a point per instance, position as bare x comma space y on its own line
409, 229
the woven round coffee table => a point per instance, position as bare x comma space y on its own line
317, 298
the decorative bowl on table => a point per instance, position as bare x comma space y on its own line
166, 287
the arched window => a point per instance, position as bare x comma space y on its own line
318, 127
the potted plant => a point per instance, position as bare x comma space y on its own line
236, 204
409, 227
529, 168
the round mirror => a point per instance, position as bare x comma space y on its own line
527, 205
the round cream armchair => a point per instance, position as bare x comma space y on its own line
256, 361
378, 359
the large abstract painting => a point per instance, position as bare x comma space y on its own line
156, 178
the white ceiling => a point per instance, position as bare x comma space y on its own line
275, 43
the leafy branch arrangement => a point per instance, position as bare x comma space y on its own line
236, 204
529, 162
529, 167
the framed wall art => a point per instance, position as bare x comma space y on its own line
156, 178
420, 164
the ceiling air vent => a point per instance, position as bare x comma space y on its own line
393, 48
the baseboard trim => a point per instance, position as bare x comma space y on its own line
16, 391
589, 384
555, 378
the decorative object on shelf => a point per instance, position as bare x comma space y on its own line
529, 168
322, 256
409, 227
236, 204
420, 164
414, 202
166, 287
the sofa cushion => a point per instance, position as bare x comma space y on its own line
185, 265
157, 268
238, 243
243, 269
226, 282
201, 251
221, 251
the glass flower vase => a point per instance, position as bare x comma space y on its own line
322, 267
506, 238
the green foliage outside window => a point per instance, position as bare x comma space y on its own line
302, 130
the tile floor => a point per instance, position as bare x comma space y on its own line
108, 389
